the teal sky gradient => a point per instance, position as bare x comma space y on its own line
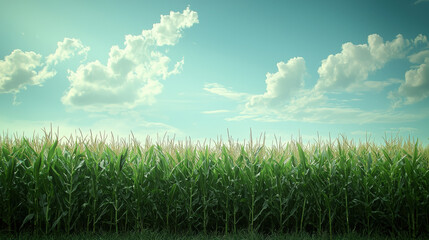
227, 52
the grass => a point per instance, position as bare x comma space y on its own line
324, 189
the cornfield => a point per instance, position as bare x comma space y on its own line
89, 185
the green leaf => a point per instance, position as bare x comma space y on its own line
55, 223
52, 151
302, 158
123, 159
29, 217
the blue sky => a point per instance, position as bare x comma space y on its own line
197, 68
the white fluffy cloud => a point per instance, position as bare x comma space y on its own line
282, 85
286, 99
132, 74
169, 29
416, 85
349, 69
66, 49
419, 57
20, 69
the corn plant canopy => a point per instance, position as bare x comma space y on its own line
90, 185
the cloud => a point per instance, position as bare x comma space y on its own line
420, 1
318, 110
282, 85
220, 90
169, 29
419, 57
313, 106
132, 74
349, 69
416, 85
216, 111
286, 99
20, 69
403, 130
66, 49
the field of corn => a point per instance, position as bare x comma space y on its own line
89, 185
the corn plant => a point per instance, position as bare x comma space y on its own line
87, 184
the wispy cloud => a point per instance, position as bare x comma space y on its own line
403, 129
216, 111
220, 90
420, 1
318, 110
133, 74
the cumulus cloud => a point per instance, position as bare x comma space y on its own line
20, 69
282, 85
419, 57
66, 49
416, 85
169, 29
133, 73
281, 88
349, 69
286, 99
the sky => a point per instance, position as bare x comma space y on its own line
208, 69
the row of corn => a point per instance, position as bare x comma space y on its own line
321, 188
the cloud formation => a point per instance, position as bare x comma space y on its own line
282, 85
286, 99
132, 74
419, 57
349, 69
314, 107
21, 69
416, 85
169, 29
66, 49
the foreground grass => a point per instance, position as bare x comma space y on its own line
48, 186
151, 235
